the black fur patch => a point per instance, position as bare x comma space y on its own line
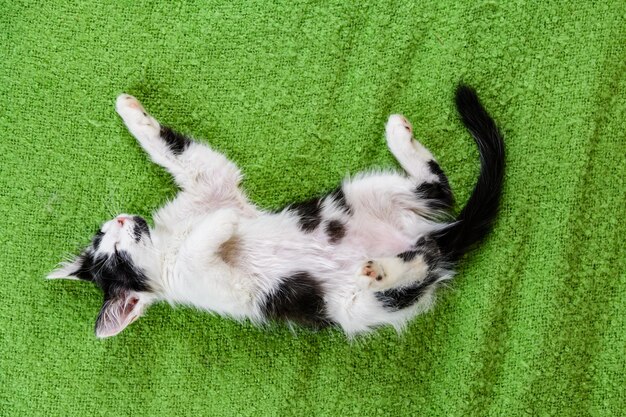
339, 198
112, 274
84, 270
117, 273
438, 194
436, 169
335, 231
427, 247
398, 298
408, 256
298, 298
177, 142
429, 257
309, 212
97, 239
141, 227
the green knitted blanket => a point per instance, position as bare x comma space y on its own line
297, 94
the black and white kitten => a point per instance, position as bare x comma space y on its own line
370, 253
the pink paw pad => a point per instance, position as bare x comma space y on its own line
407, 124
133, 103
370, 270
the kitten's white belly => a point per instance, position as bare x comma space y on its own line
273, 247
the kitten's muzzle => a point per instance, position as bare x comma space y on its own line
121, 220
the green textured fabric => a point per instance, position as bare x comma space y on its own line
297, 94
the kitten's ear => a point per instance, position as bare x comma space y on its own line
118, 312
75, 269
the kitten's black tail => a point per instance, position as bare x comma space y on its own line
475, 220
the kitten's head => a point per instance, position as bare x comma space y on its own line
120, 260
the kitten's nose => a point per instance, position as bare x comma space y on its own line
121, 220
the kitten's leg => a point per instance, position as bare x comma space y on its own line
418, 162
195, 166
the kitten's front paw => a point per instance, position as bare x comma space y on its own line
134, 115
398, 128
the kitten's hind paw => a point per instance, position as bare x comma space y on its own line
373, 270
134, 115
398, 128
126, 104
373, 274
391, 272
